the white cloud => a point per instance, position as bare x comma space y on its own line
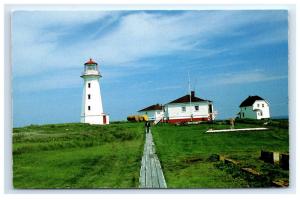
175, 87
245, 77
35, 37
66, 18
37, 45
55, 81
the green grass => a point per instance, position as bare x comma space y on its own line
85, 156
184, 153
77, 156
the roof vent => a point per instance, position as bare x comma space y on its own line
193, 93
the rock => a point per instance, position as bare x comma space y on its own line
276, 157
270, 157
251, 171
284, 161
267, 156
214, 158
281, 159
280, 183
230, 161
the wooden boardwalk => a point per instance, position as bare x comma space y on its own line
151, 174
236, 130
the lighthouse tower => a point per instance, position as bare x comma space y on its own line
92, 109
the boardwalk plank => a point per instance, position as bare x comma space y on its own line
143, 173
160, 175
151, 174
148, 169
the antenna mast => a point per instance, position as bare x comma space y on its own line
190, 96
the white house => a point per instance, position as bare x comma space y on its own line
92, 110
254, 107
154, 112
188, 108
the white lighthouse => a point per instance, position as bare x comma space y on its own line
92, 109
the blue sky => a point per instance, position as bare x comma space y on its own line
145, 57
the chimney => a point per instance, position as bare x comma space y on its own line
193, 93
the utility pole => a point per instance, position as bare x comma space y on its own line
190, 96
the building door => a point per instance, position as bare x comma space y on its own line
104, 119
210, 112
210, 108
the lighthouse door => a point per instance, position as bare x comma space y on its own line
104, 119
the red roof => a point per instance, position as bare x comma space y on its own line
153, 107
91, 62
188, 98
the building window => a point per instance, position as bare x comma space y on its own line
158, 112
89, 107
89, 85
244, 108
196, 108
257, 105
89, 96
183, 109
263, 105
243, 114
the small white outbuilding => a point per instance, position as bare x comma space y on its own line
154, 112
254, 107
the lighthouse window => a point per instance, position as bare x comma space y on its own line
89, 96
89, 85
89, 107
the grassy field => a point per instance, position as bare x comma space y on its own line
77, 156
186, 152
86, 156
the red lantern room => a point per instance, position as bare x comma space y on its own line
91, 68
91, 62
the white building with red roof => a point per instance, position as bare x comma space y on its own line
188, 108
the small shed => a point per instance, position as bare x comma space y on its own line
254, 107
154, 112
